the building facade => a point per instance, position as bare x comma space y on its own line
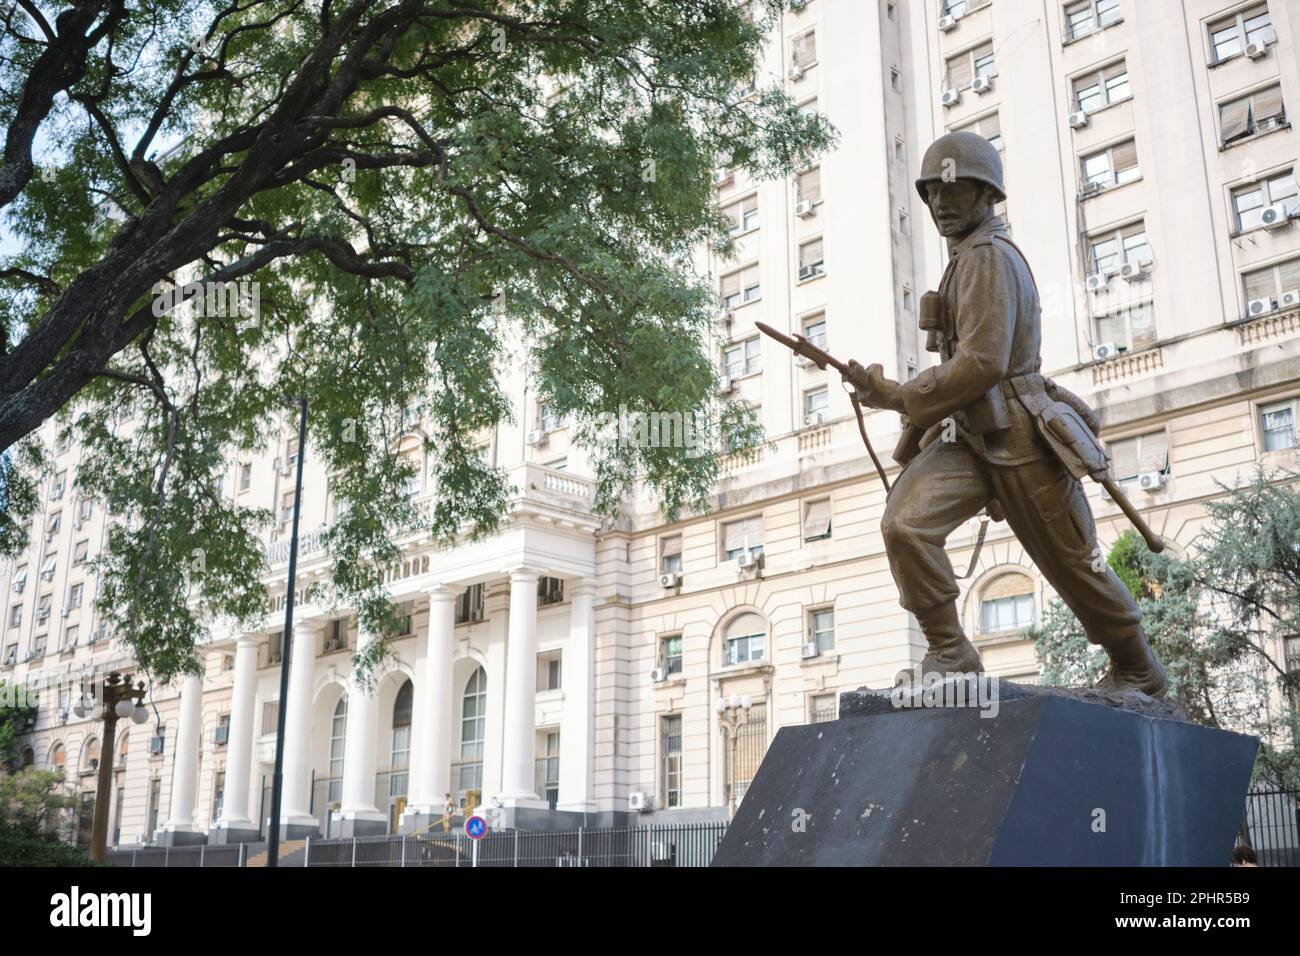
564, 671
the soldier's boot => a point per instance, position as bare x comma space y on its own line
1133, 666
950, 652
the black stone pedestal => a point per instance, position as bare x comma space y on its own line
1051, 780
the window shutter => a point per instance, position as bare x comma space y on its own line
805, 48
1289, 273
810, 253
1007, 585
959, 72
1260, 285
1268, 103
1124, 155
817, 519
1155, 452
733, 536
1142, 326
810, 186
730, 284
1234, 118
1124, 458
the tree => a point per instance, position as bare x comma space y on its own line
1214, 619
356, 204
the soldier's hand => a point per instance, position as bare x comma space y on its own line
873, 388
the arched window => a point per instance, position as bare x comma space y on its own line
1007, 604
58, 757
338, 738
745, 638
29, 757
90, 755
473, 716
399, 761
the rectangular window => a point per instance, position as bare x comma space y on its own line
821, 629
16, 615
549, 668
670, 554
822, 707
1012, 613
738, 288
275, 648
670, 747
803, 49
81, 552
1088, 15
964, 68
270, 717
743, 214
469, 606
74, 595
670, 653
1230, 36
1250, 201
1113, 166
1255, 113
1108, 85
43, 609
741, 536
1277, 425
1131, 329
1130, 457
548, 418
815, 405
11, 656
742, 358
811, 260
1272, 282
286, 509
808, 186
817, 520
814, 329
1110, 250
71, 634
59, 483
550, 591
245, 475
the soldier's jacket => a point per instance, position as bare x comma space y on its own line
992, 330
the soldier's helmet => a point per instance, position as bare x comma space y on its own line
961, 156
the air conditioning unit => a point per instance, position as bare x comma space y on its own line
947, 23
723, 177
640, 801
1134, 271
1079, 119
796, 71
658, 675
982, 84
725, 318
804, 208
536, 437
1091, 188
1151, 480
156, 746
1096, 282
951, 98
812, 419
726, 386
332, 644
1107, 350
809, 272
1290, 299
749, 560
1274, 217
1260, 307
808, 650
1256, 49
670, 579
802, 360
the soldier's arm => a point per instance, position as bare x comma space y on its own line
986, 316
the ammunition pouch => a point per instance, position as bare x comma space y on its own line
1062, 427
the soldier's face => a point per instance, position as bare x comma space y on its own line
957, 207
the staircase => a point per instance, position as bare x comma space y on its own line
291, 854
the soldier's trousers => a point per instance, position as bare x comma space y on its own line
947, 484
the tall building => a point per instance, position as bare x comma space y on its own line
572, 673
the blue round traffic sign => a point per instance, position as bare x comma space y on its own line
476, 827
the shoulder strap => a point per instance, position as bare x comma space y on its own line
1023, 258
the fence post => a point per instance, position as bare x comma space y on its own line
243, 861
167, 857
306, 853
403, 863
580, 863
134, 854
202, 853
457, 857
516, 849
354, 853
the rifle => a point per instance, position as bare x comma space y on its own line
821, 358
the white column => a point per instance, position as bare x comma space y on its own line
239, 751
359, 757
185, 772
578, 720
296, 800
519, 746
431, 730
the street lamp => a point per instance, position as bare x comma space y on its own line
116, 699
733, 714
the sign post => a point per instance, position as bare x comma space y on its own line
475, 829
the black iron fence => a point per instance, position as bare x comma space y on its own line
690, 845
1272, 826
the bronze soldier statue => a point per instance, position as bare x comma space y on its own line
984, 429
